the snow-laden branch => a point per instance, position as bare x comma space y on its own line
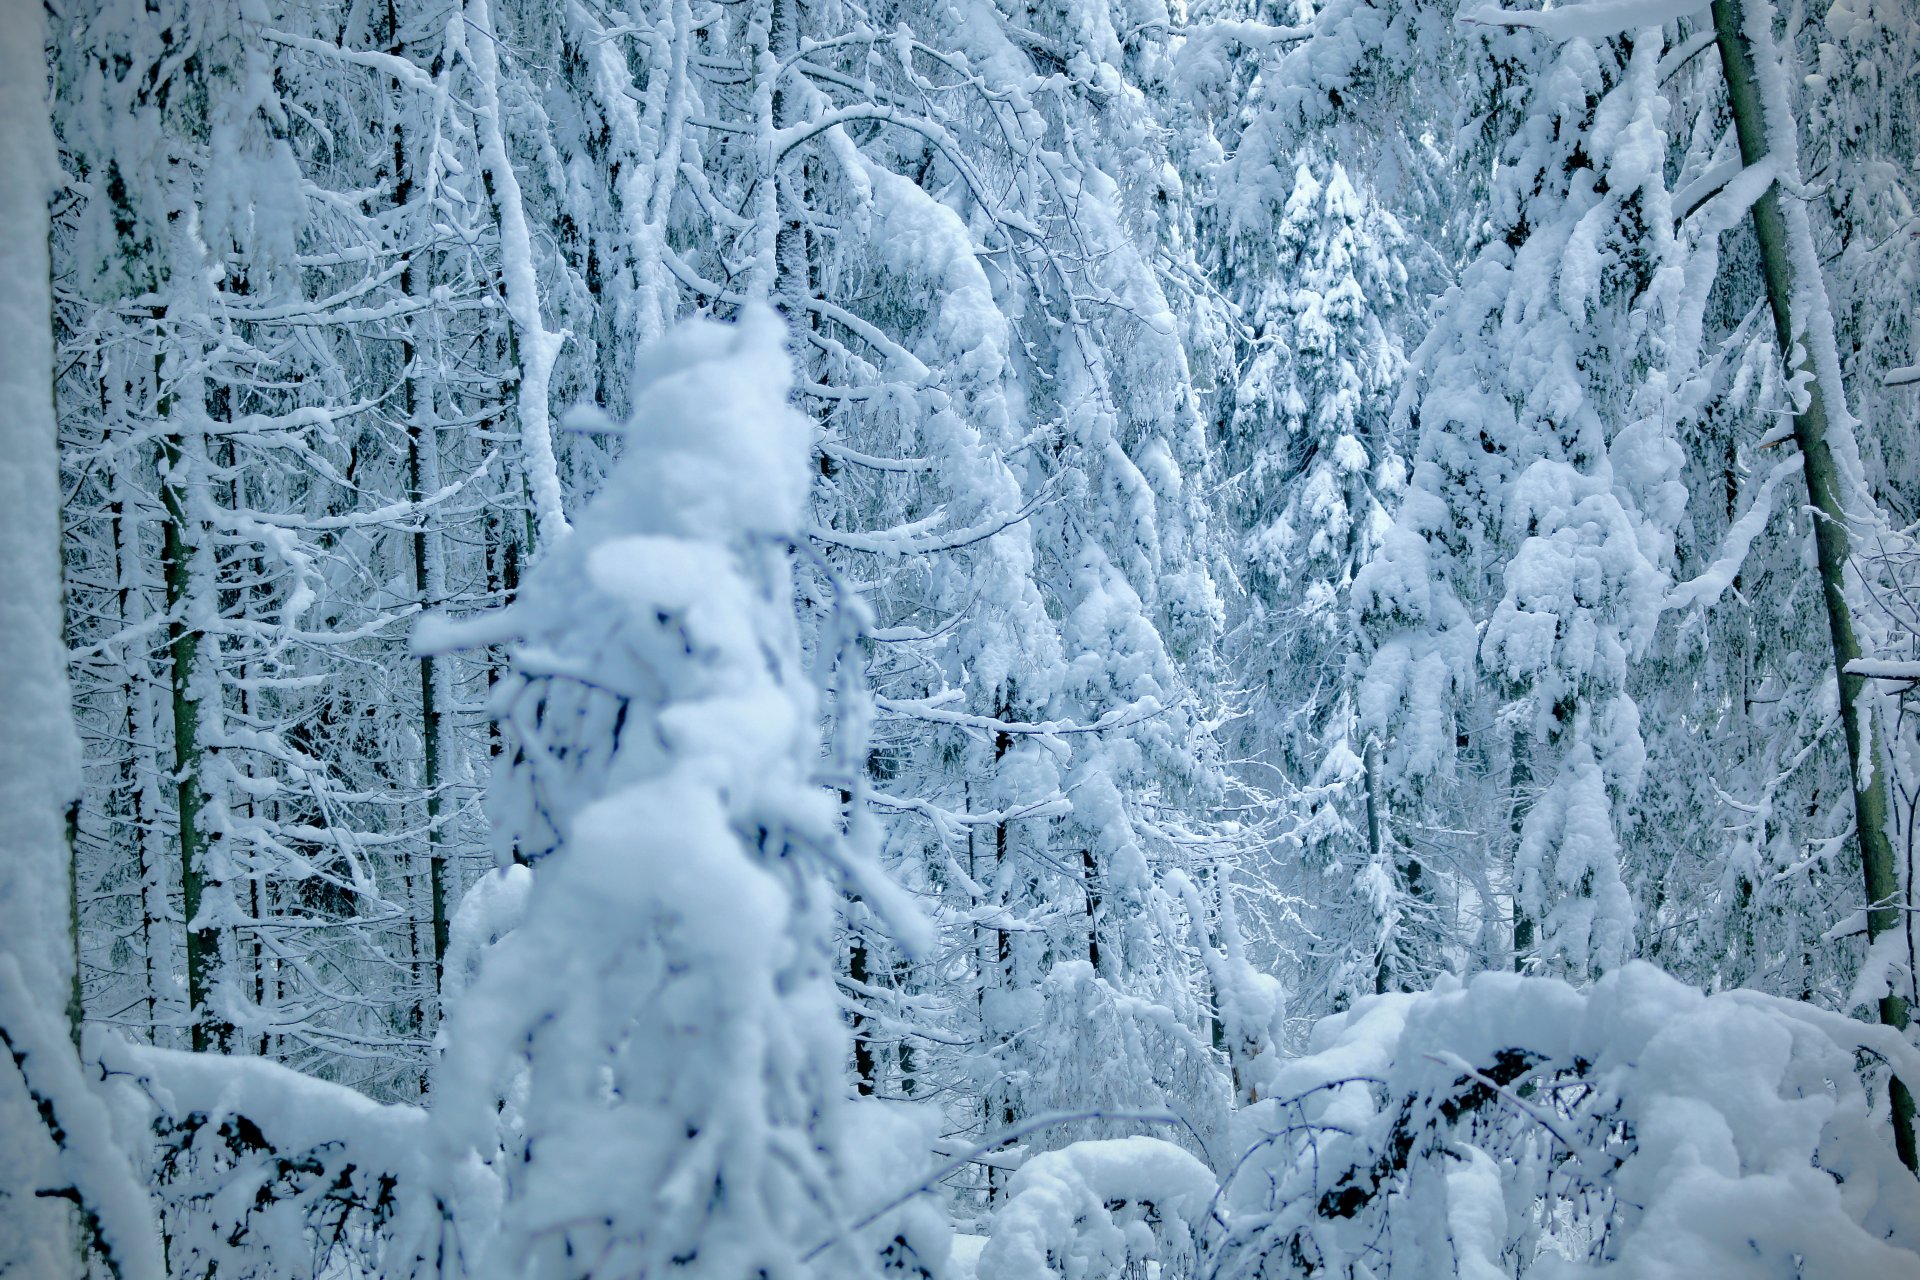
1588, 21
1706, 588
1255, 35
115, 1209
917, 538
952, 822
398, 68
1884, 669
539, 346
1047, 1120
933, 710
846, 453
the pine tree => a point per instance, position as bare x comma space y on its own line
1319, 472
1530, 560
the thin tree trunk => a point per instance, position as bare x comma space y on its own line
430, 714
423, 472
1090, 886
865, 1069
1519, 779
1376, 847
181, 548
135, 769
1825, 489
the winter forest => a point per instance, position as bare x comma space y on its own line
959, 639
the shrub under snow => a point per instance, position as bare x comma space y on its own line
1521, 1126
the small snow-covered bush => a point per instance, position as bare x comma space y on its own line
1520, 1126
259, 1171
1097, 1209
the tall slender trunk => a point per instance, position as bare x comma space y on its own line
503, 586
183, 548
903, 1053
1519, 780
427, 582
423, 474
1090, 886
865, 1068
1812, 428
1376, 850
135, 767
1002, 955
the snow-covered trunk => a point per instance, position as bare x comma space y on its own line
430, 582
420, 409
186, 555
1823, 430
51, 1128
138, 767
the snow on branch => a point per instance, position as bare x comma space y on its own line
933, 710
1706, 588
1588, 21
259, 1167
1884, 669
916, 539
1255, 35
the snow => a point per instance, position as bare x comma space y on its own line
1885, 668
663, 994
40, 767
43, 1083
966, 1256
1706, 588
539, 346
491, 908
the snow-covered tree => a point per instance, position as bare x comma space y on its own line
1530, 559
1320, 173
1318, 470
668, 996
1518, 1126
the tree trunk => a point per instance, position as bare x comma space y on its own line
1826, 492
183, 649
423, 475
183, 463
1376, 850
